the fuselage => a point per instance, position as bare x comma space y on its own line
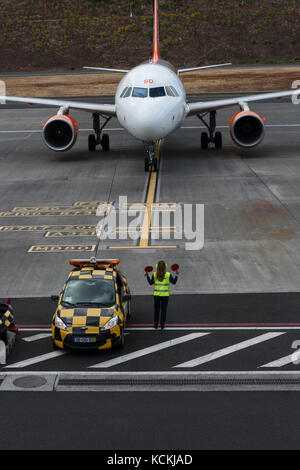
151, 101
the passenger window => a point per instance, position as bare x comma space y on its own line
123, 92
128, 92
157, 92
140, 93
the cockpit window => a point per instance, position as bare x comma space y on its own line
128, 92
174, 90
123, 92
169, 91
140, 92
157, 92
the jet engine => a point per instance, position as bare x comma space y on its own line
60, 132
247, 128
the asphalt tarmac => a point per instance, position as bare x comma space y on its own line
250, 198
246, 275
127, 421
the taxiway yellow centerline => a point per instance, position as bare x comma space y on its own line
145, 230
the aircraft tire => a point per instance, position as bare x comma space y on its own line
105, 142
218, 140
147, 165
92, 143
204, 140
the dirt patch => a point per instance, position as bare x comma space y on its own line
240, 80
270, 219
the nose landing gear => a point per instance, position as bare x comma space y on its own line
151, 161
211, 136
98, 138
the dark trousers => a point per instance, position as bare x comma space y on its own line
160, 307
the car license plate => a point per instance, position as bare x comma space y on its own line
84, 339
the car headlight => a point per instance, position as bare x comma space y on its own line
60, 324
111, 323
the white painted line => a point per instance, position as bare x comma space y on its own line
36, 359
161, 373
19, 132
293, 358
149, 350
2, 352
38, 131
229, 350
120, 129
212, 328
226, 127
24, 328
37, 337
192, 328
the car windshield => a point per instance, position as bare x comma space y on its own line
157, 92
89, 291
140, 92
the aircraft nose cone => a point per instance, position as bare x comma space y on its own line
147, 126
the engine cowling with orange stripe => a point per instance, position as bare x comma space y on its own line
60, 132
247, 128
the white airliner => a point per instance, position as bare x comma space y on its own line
150, 103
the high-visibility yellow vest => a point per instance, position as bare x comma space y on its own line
161, 288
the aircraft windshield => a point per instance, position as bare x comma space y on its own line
123, 92
140, 93
171, 91
157, 92
128, 93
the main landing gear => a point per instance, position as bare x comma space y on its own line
98, 138
151, 161
211, 136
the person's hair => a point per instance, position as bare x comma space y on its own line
161, 270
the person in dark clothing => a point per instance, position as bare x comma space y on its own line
161, 280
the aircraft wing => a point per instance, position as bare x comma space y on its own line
194, 69
103, 69
206, 106
106, 109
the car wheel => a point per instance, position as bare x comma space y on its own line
121, 344
128, 316
55, 347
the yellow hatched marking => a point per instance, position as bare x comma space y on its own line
60, 248
83, 233
149, 247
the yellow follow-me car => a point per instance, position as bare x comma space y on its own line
93, 306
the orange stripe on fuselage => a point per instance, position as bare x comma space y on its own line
155, 56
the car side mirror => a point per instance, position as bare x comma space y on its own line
55, 298
126, 297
